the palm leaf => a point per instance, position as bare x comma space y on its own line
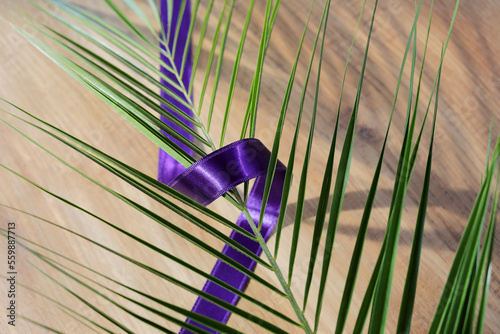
119, 61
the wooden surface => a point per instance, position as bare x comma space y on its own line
469, 99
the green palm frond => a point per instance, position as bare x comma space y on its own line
116, 56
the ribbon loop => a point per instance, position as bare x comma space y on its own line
217, 173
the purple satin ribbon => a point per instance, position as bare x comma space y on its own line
168, 167
214, 175
211, 177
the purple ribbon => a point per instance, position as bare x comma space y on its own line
211, 177
214, 175
168, 167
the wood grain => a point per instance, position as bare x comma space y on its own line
469, 99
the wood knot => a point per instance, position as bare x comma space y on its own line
367, 133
